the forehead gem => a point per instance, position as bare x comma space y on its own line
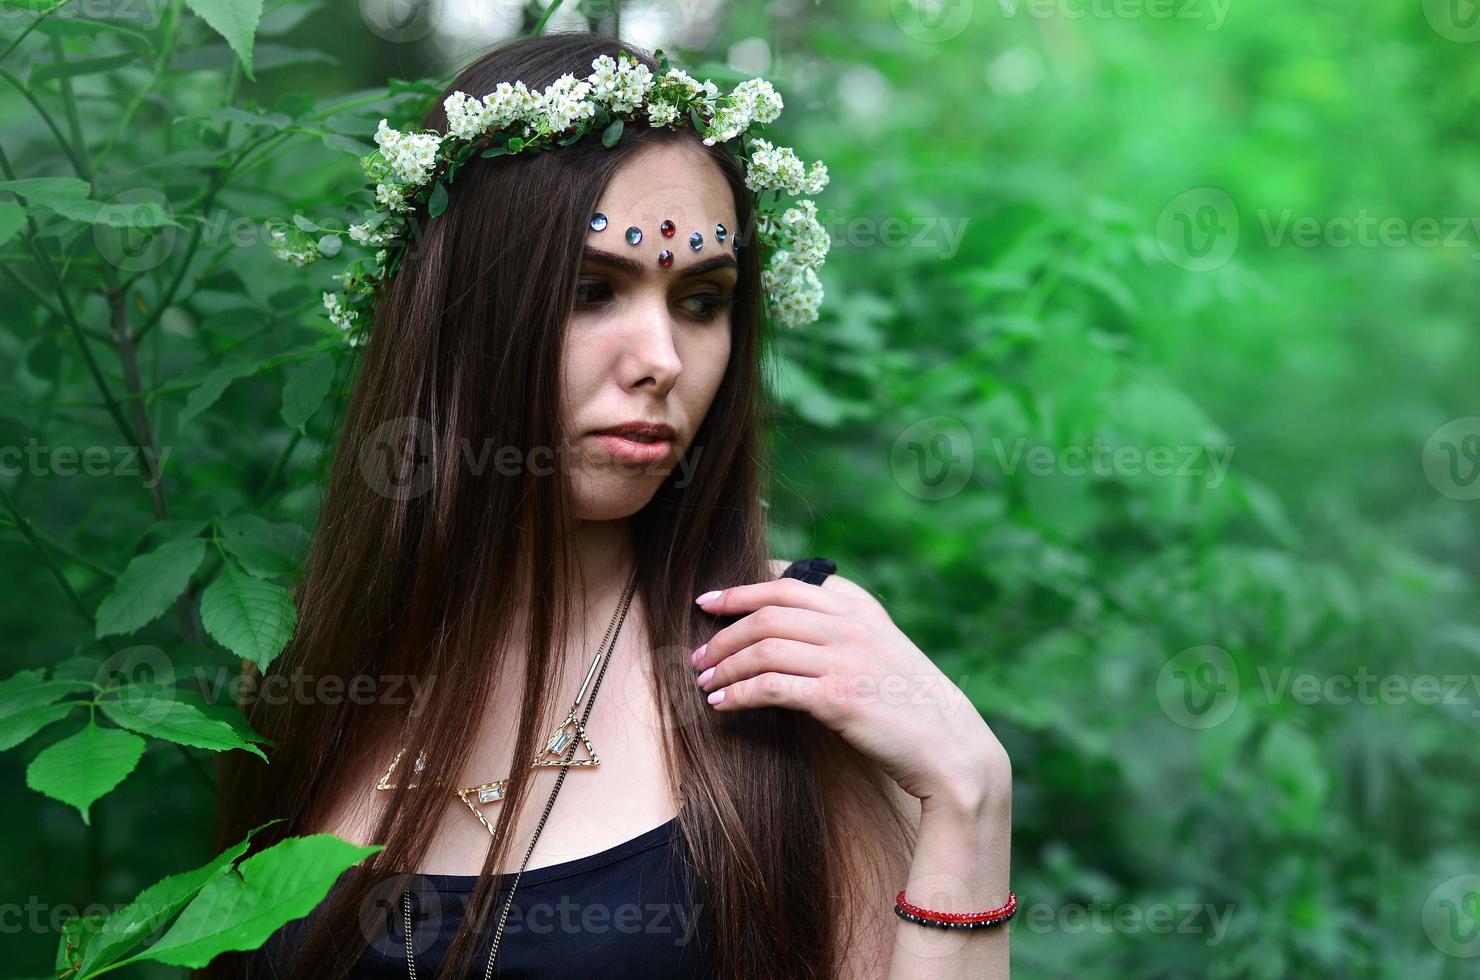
720, 231
696, 241
634, 235
598, 222
735, 243
667, 228
665, 258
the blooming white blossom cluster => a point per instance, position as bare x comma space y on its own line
753, 101
777, 168
790, 280
405, 164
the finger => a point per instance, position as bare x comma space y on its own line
770, 690
741, 599
768, 655
784, 622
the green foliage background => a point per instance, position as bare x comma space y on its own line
1062, 141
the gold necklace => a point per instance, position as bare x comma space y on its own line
568, 731
568, 743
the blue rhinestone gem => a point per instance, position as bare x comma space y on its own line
720, 231
696, 241
634, 235
598, 222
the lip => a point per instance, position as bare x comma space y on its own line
630, 450
637, 427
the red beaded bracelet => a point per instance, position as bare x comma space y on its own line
954, 920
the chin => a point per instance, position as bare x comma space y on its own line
607, 496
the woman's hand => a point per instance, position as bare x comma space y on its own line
833, 652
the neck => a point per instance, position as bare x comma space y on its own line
604, 560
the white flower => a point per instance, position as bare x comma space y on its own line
508, 104
466, 116
809, 240
760, 98
793, 291
564, 103
375, 232
621, 87
410, 156
661, 113
777, 168
391, 196
339, 313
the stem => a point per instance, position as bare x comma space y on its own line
31, 27
165, 51
69, 314
24, 526
77, 163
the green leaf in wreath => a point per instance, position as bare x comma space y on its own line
611, 134
148, 585
251, 617
79, 769
438, 202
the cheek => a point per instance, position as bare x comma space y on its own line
705, 358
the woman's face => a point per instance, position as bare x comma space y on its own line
647, 343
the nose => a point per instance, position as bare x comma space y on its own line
650, 357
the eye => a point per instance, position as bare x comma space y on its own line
705, 307
592, 293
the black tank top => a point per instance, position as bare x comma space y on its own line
632, 910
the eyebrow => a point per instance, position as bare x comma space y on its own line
636, 269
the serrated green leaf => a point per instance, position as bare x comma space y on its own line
155, 713
17, 726
251, 617
307, 386
240, 908
131, 925
148, 585
204, 395
264, 548
236, 21
79, 769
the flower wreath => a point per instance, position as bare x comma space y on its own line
416, 167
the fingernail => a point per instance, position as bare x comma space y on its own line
698, 654
716, 697
706, 597
705, 676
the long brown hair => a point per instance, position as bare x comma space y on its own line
421, 577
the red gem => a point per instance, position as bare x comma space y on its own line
667, 228
665, 258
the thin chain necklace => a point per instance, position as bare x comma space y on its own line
603, 655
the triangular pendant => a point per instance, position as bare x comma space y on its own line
559, 741
385, 778
484, 793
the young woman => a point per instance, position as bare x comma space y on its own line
775, 762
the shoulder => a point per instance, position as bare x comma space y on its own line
836, 581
